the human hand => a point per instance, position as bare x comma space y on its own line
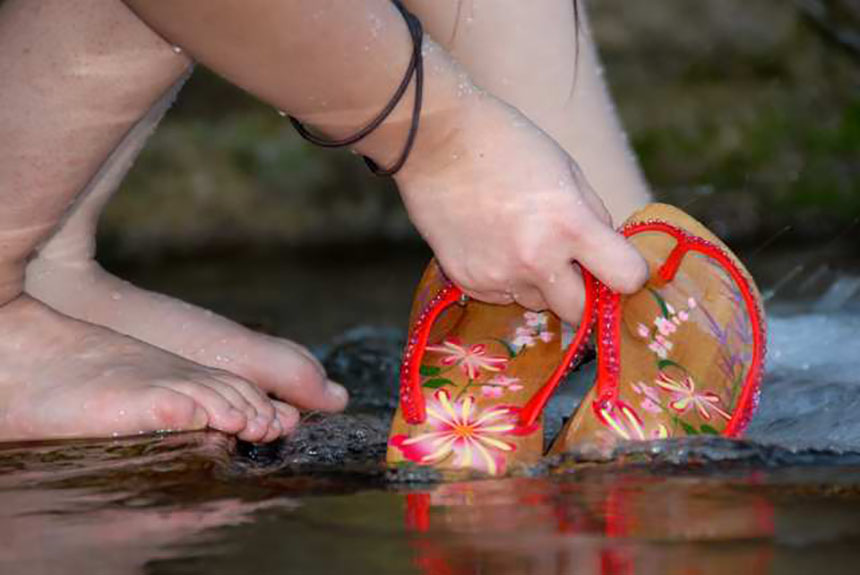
507, 212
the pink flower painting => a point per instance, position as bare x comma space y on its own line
471, 359
474, 439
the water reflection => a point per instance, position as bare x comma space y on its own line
619, 524
112, 507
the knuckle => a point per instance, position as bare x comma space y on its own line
530, 256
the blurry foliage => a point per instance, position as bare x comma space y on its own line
741, 111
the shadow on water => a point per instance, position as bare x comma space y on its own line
784, 501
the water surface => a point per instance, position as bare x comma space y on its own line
785, 501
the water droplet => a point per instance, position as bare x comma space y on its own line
281, 113
177, 49
116, 296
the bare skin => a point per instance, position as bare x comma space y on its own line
532, 56
61, 112
503, 206
467, 176
65, 275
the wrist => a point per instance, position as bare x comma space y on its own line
448, 95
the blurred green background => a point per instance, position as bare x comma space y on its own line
745, 112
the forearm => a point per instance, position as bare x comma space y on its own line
333, 64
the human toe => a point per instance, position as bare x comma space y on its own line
295, 378
168, 410
221, 413
288, 416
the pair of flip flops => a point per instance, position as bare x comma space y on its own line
681, 357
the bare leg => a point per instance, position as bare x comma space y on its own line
76, 77
66, 276
499, 201
525, 53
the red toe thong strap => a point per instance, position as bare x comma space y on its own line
609, 320
411, 397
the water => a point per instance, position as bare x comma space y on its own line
787, 500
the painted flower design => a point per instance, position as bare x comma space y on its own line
536, 328
623, 420
685, 397
536, 319
500, 383
471, 359
650, 398
475, 439
664, 326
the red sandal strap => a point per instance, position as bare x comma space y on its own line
412, 401
609, 322
535, 406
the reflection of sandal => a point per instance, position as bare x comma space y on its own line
476, 377
684, 355
608, 523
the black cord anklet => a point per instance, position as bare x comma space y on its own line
416, 68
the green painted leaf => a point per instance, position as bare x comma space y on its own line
661, 302
709, 430
429, 370
437, 382
688, 429
512, 353
664, 363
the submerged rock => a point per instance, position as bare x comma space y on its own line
367, 361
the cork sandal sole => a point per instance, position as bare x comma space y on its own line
475, 379
684, 355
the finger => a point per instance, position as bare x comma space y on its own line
608, 255
592, 200
491, 297
565, 295
530, 298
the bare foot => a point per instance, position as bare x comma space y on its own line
82, 289
64, 275
60, 377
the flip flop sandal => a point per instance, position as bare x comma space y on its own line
475, 378
684, 355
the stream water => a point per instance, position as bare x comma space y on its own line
786, 500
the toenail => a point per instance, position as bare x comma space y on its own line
200, 418
337, 391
